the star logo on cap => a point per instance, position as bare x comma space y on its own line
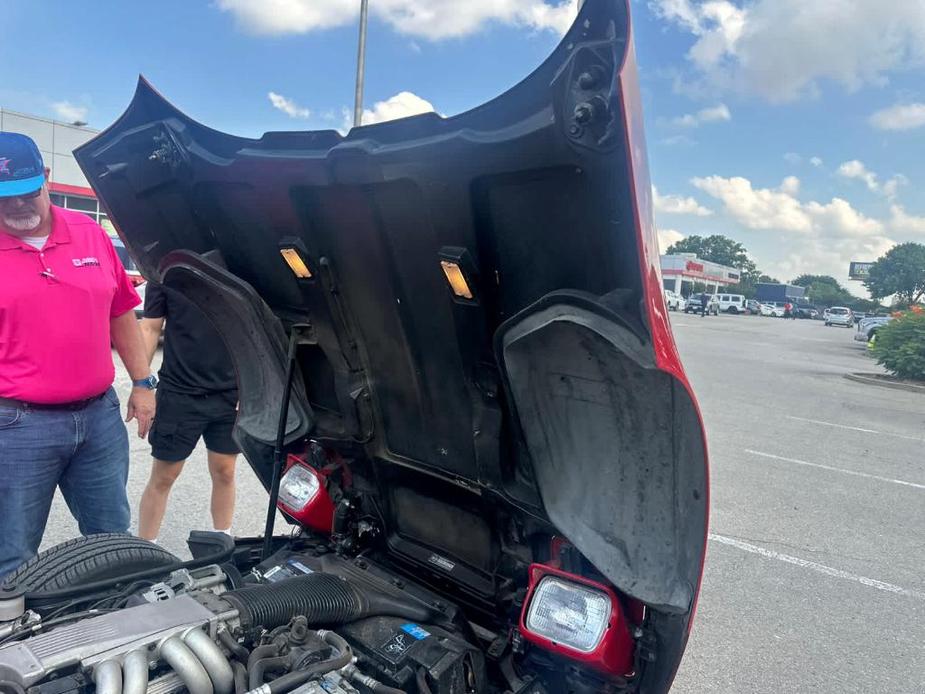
5, 166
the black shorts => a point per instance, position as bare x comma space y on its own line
182, 419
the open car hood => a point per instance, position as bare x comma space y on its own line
555, 388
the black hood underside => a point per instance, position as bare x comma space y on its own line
541, 390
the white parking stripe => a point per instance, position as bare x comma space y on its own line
845, 426
814, 566
835, 469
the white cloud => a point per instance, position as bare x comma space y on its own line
677, 204
793, 158
899, 117
70, 113
401, 105
757, 208
790, 185
678, 140
288, 106
783, 49
855, 169
667, 238
712, 114
428, 19
904, 223
815, 161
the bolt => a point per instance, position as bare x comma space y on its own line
587, 80
584, 113
574, 130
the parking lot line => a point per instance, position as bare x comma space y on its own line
815, 566
866, 431
835, 469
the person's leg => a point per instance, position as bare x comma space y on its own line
221, 468
93, 482
33, 449
223, 453
173, 437
154, 498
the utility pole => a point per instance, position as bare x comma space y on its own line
361, 65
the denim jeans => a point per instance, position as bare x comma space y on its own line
84, 452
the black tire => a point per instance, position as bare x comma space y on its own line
88, 559
733, 310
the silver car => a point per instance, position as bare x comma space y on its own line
839, 315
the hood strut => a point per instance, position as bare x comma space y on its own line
279, 457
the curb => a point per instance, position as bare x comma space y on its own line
870, 380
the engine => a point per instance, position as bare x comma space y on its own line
296, 623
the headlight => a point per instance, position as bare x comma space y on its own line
298, 487
577, 618
569, 614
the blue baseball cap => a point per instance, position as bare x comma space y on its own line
22, 170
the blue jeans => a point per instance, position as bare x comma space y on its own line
84, 452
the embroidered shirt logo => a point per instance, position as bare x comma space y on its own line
5, 166
86, 262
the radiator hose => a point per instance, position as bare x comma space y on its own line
323, 599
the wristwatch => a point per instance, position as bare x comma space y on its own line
150, 383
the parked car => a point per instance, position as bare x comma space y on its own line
806, 312
731, 303
674, 301
695, 304
770, 308
536, 521
867, 328
859, 316
753, 306
840, 315
134, 274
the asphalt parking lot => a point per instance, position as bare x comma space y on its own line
814, 579
815, 576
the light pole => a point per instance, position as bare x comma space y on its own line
361, 65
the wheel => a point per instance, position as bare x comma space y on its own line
827, 324
88, 559
732, 309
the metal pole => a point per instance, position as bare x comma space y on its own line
361, 65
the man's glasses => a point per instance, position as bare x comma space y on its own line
25, 196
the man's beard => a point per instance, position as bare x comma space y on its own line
23, 224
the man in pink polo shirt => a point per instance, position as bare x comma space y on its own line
64, 298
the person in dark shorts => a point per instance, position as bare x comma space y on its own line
197, 398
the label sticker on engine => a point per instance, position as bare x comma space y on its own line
395, 648
300, 566
417, 632
442, 562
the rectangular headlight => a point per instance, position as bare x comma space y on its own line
569, 614
298, 487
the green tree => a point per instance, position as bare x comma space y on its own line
900, 271
824, 290
900, 345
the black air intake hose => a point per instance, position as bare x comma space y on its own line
323, 599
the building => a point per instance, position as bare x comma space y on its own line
57, 141
681, 271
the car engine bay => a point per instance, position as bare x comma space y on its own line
356, 610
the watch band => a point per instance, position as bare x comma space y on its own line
150, 382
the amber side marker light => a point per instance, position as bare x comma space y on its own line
295, 262
457, 279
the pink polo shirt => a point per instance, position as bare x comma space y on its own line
55, 308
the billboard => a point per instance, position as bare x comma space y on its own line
859, 270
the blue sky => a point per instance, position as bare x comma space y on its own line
794, 127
